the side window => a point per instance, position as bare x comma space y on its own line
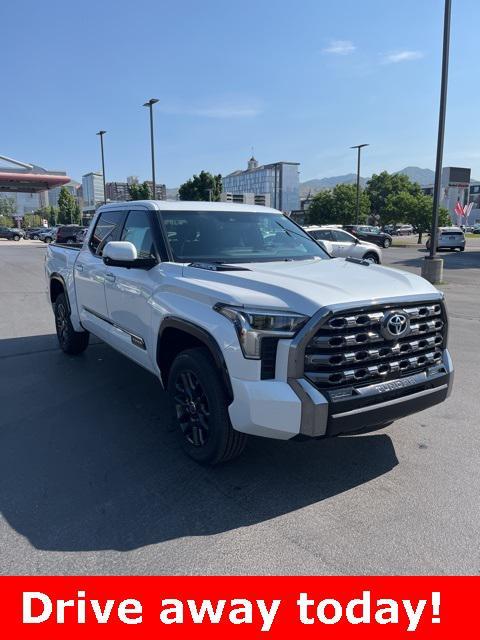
340, 236
108, 227
138, 231
322, 234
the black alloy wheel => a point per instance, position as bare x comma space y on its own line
192, 409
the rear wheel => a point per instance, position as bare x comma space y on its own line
35, 237
372, 257
48, 240
16, 237
70, 341
201, 409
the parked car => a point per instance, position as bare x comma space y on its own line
476, 228
370, 234
48, 235
248, 323
341, 244
11, 234
34, 232
67, 234
403, 230
449, 238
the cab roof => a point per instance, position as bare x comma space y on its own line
186, 205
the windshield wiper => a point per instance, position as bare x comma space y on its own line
217, 265
289, 232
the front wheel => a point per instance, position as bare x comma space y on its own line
70, 341
386, 243
372, 257
35, 237
16, 238
201, 409
48, 240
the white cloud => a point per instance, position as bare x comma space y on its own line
340, 47
222, 111
402, 56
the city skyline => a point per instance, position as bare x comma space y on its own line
343, 74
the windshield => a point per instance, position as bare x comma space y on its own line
224, 236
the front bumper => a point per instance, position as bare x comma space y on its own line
295, 408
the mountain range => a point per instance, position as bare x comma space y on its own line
416, 174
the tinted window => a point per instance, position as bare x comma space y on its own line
341, 236
321, 234
108, 227
137, 230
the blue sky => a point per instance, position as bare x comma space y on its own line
298, 80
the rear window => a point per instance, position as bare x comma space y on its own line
452, 233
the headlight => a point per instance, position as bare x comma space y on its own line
253, 324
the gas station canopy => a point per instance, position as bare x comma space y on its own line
28, 178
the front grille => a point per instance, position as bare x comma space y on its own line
349, 348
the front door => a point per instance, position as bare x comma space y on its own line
128, 291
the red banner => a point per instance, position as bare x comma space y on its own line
239, 607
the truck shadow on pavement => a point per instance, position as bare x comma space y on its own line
89, 459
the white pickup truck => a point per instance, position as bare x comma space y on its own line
248, 324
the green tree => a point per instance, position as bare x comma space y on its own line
66, 207
77, 215
7, 206
205, 186
139, 191
52, 216
417, 210
338, 206
383, 185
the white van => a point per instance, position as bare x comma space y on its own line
449, 238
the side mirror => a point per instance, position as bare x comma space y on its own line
119, 254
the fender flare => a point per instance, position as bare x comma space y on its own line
59, 278
201, 334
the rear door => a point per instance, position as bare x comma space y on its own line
90, 274
128, 291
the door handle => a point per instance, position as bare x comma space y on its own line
79, 267
109, 277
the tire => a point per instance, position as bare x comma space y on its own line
386, 243
371, 257
35, 237
201, 409
16, 237
70, 341
47, 240
462, 248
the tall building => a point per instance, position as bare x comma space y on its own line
118, 191
92, 186
279, 180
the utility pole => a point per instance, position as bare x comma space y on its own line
357, 208
432, 267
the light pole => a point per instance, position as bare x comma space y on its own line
432, 267
357, 208
150, 104
101, 134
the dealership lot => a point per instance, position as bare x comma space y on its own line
93, 482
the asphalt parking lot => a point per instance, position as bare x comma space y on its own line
93, 482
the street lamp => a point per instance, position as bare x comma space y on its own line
150, 104
432, 267
101, 134
359, 147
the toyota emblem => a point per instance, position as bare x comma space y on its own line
395, 325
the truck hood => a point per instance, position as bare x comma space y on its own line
305, 286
